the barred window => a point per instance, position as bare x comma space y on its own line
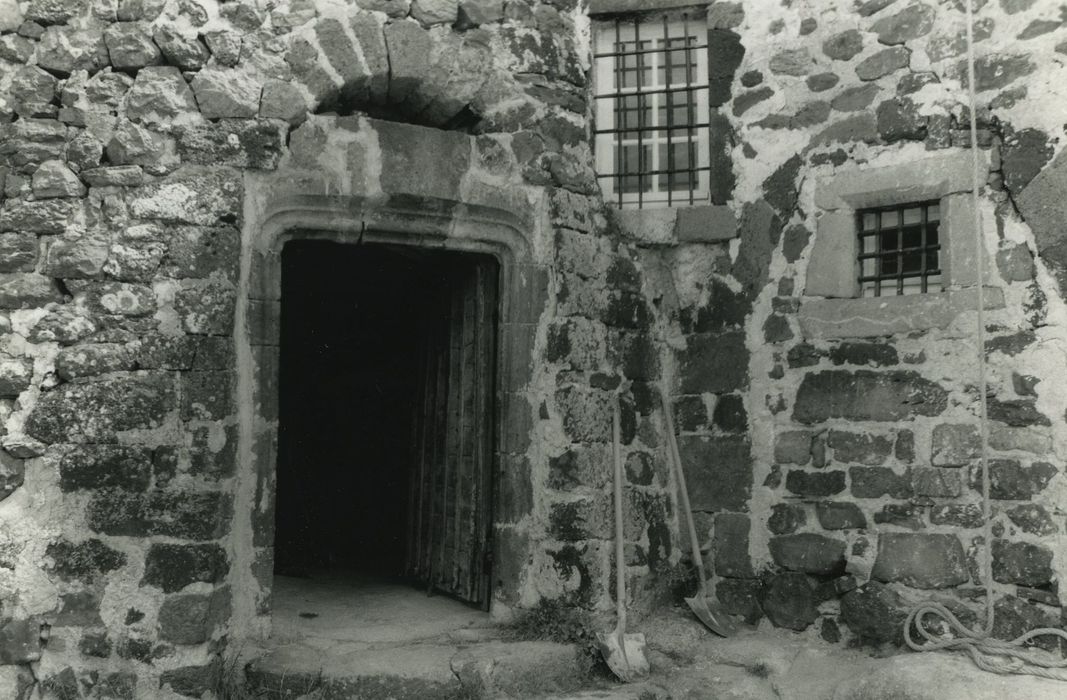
651, 102
899, 251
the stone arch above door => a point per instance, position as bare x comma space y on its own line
397, 68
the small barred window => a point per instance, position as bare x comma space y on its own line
652, 110
900, 249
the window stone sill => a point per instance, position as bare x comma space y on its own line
878, 316
708, 223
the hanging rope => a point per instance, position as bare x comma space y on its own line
989, 654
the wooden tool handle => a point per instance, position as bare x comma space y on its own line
620, 563
676, 459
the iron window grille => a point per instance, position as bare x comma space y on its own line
651, 101
900, 249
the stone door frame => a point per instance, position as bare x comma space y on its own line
409, 220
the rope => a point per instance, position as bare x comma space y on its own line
987, 653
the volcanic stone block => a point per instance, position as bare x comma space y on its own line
934, 482
1011, 343
1013, 617
795, 240
92, 360
1010, 481
1016, 412
96, 411
843, 46
955, 445
994, 71
574, 521
875, 613
131, 144
12, 473
789, 601
855, 98
414, 145
786, 518
725, 52
195, 196
193, 681
725, 310
840, 516
20, 641
409, 58
430, 12
222, 94
586, 413
740, 596
883, 63
803, 355
901, 515
159, 94
581, 465
718, 472
760, 229
967, 515
912, 22
745, 100
104, 466
18, 252
78, 609
238, 143
49, 216
54, 179
867, 395
130, 46
817, 484
181, 49
96, 645
690, 413
821, 82
15, 376
206, 310
200, 515
282, 100
207, 395
1023, 155
714, 363
920, 560
1022, 563
190, 618
634, 354
337, 49
1032, 518
871, 450
809, 553
730, 545
730, 414
83, 561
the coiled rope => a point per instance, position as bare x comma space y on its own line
987, 653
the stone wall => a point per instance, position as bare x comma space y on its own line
852, 489
156, 154
154, 157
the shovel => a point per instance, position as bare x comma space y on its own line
706, 610
624, 653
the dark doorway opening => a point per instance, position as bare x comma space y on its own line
386, 422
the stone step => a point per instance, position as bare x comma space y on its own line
313, 670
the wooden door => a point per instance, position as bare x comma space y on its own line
453, 449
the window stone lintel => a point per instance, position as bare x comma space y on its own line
618, 7
929, 178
